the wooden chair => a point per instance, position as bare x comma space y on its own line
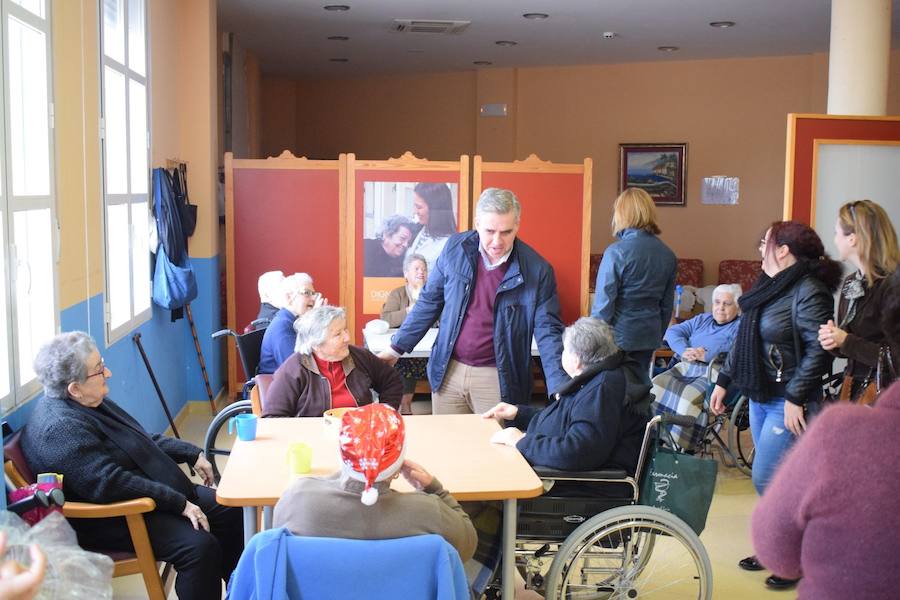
258, 392
140, 561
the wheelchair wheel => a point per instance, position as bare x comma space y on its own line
631, 552
740, 440
211, 447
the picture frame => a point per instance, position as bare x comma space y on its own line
658, 169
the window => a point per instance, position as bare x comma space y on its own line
126, 158
28, 304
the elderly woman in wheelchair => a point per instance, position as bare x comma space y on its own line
585, 537
697, 343
597, 420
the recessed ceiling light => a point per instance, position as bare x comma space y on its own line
668, 48
336, 7
722, 24
482, 63
506, 43
340, 60
536, 16
608, 35
338, 38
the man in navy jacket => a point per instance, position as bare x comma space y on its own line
492, 293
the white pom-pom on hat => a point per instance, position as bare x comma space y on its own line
369, 496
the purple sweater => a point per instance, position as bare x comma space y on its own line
832, 513
475, 342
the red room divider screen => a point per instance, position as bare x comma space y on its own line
556, 218
282, 214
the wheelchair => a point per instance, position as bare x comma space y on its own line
612, 547
728, 433
249, 347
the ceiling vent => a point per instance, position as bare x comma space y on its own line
421, 26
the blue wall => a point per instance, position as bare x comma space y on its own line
169, 346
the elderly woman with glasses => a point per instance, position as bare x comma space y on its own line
598, 419
697, 342
280, 337
106, 456
327, 372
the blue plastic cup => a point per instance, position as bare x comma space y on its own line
246, 426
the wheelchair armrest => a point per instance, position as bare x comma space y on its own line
548, 473
221, 332
86, 510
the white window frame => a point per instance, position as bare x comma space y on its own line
140, 201
22, 391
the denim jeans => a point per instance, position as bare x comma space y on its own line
770, 438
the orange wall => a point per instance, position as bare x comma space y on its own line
731, 113
279, 116
380, 117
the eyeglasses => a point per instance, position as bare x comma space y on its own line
307, 293
102, 371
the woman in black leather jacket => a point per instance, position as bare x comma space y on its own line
776, 359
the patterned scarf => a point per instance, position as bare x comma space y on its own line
853, 289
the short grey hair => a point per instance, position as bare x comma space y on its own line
499, 202
312, 327
410, 258
291, 284
590, 340
392, 225
728, 288
62, 361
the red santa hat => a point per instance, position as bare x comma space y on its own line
373, 445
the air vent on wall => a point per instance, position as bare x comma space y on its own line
421, 26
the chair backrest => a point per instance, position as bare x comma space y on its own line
422, 566
12, 454
744, 272
258, 393
249, 347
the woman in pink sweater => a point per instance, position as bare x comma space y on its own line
830, 514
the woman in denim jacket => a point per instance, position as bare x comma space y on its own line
636, 280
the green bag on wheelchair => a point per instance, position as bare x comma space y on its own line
680, 484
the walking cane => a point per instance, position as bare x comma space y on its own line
137, 340
190, 317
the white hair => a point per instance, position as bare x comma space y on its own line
499, 202
728, 288
312, 327
269, 286
62, 361
292, 284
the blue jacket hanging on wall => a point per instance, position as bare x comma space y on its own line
174, 284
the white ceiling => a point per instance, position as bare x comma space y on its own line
290, 36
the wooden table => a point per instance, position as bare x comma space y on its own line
454, 448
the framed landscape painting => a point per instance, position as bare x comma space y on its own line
658, 169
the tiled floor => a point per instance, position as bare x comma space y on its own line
726, 537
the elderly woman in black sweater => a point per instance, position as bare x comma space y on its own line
598, 419
106, 456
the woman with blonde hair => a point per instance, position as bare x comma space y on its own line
636, 280
865, 238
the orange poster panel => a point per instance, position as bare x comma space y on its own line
375, 280
285, 220
552, 215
